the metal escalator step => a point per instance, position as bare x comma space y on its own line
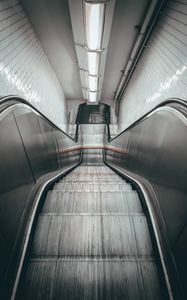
92, 279
91, 242
93, 235
92, 187
97, 202
92, 170
58, 214
92, 180
91, 176
39, 281
47, 236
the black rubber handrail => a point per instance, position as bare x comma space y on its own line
17, 99
164, 103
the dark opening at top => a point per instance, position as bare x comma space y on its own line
93, 114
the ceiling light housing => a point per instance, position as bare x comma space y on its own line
94, 21
93, 63
91, 23
93, 83
94, 13
92, 97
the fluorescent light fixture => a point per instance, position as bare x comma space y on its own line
93, 63
94, 19
93, 83
93, 96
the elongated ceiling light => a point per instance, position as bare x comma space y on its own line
93, 83
94, 22
93, 63
92, 97
94, 19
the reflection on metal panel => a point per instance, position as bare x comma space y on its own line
29, 127
30, 148
155, 149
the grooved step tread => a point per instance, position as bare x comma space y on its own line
92, 235
95, 202
92, 187
91, 242
92, 179
103, 280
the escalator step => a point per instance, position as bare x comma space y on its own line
92, 235
81, 202
92, 187
92, 242
92, 279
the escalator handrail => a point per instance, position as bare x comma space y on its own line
164, 103
19, 99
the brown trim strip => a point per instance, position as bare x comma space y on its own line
114, 149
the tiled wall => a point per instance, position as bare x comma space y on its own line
162, 69
24, 68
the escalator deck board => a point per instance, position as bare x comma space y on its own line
91, 243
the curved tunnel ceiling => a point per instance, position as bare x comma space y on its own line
52, 23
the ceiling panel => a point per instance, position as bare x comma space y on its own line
51, 21
127, 16
77, 10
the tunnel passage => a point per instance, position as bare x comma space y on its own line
93, 114
140, 62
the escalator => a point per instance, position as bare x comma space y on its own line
94, 215
92, 241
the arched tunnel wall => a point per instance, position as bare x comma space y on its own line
162, 69
24, 67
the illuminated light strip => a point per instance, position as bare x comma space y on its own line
94, 17
93, 83
94, 26
93, 63
94, 21
93, 96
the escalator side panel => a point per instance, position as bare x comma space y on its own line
154, 150
27, 152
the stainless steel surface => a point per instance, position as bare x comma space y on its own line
91, 245
30, 130
14, 190
155, 149
30, 148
